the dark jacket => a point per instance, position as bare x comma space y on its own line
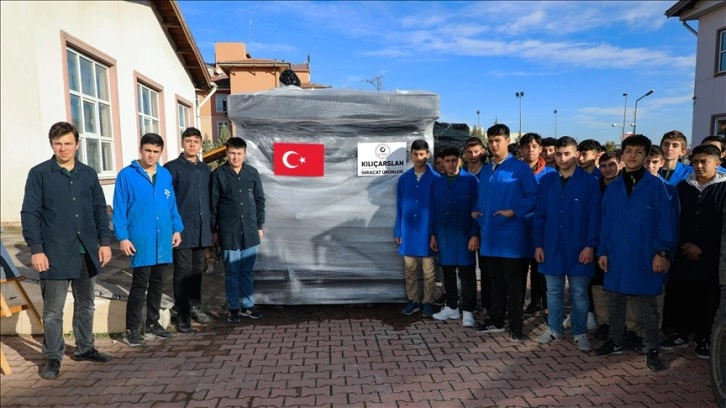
191, 186
237, 206
60, 213
700, 224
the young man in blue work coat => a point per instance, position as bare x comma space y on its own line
566, 229
506, 197
412, 230
455, 236
147, 224
637, 239
674, 145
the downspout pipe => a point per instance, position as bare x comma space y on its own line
689, 28
200, 104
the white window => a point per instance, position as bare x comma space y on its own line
721, 59
148, 109
88, 84
221, 126
221, 103
183, 114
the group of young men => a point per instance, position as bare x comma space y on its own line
161, 215
623, 228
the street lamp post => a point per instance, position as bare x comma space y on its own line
478, 126
520, 95
625, 109
635, 113
555, 112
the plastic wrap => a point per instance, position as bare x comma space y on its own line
329, 239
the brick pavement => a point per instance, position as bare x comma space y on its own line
342, 356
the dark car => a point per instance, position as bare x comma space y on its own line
718, 336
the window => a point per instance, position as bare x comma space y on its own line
148, 109
719, 125
221, 103
721, 58
183, 114
88, 85
221, 126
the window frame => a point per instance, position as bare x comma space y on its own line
221, 107
187, 117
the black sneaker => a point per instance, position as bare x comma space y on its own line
603, 332
233, 316
609, 348
155, 331
653, 361
517, 337
199, 316
51, 370
489, 327
93, 355
674, 342
703, 349
183, 325
134, 338
632, 341
250, 312
531, 309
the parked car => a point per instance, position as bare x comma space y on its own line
718, 336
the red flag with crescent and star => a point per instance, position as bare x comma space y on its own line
299, 159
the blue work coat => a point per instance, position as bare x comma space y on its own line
528, 230
633, 230
452, 223
679, 173
510, 186
413, 212
566, 221
146, 214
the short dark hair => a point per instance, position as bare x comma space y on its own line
152, 139
707, 149
530, 137
675, 134
191, 132
439, 153
655, 150
420, 144
450, 151
566, 141
637, 140
614, 155
473, 141
236, 143
499, 129
59, 129
549, 141
589, 144
718, 139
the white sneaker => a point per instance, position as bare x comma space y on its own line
582, 342
548, 336
468, 320
447, 313
567, 324
591, 322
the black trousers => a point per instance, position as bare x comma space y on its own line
505, 275
145, 277
189, 265
486, 289
690, 307
537, 283
467, 276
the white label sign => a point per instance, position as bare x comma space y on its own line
381, 159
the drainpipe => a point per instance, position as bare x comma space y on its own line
689, 28
200, 104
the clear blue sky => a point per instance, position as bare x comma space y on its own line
576, 57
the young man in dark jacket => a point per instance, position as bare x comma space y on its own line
65, 224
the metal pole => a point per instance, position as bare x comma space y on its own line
625, 109
635, 114
478, 125
555, 123
520, 95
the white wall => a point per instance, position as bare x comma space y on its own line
32, 82
710, 90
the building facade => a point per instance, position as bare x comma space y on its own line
116, 70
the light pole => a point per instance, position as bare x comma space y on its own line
477, 119
625, 109
635, 113
555, 112
519, 96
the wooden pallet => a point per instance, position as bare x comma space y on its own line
8, 311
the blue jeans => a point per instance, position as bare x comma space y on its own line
238, 277
555, 302
54, 298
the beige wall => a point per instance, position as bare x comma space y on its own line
34, 81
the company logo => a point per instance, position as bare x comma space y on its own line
382, 151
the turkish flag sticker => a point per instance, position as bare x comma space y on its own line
299, 159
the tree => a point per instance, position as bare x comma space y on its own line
224, 135
477, 132
610, 146
207, 144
